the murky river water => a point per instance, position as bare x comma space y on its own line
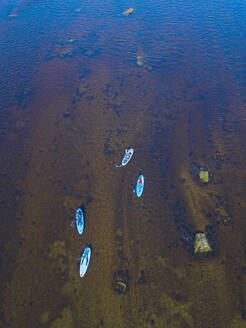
80, 82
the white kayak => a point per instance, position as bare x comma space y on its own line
128, 155
85, 261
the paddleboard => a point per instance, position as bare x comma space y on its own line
139, 186
80, 221
128, 155
85, 261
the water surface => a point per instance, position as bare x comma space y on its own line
80, 82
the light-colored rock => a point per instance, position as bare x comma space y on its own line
120, 286
204, 177
128, 11
201, 244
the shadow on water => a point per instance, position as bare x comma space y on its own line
81, 83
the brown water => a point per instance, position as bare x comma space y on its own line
73, 97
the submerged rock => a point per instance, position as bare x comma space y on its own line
227, 221
120, 281
140, 61
187, 235
128, 11
143, 63
63, 49
14, 14
120, 287
65, 52
71, 40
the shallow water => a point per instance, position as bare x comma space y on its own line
80, 82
